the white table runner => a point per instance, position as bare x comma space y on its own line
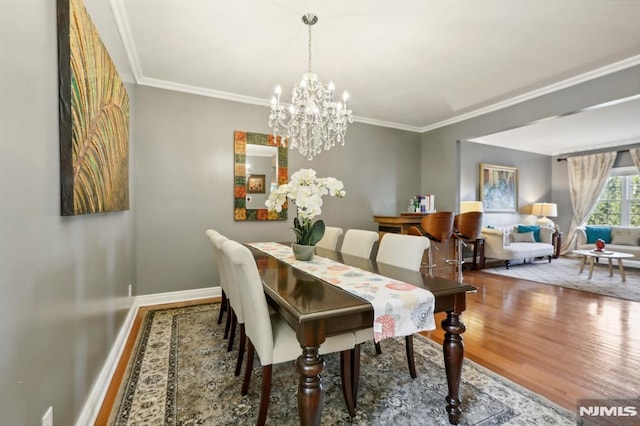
400, 309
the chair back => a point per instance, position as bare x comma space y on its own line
330, 238
358, 242
404, 251
468, 225
210, 233
258, 324
414, 230
438, 226
226, 275
217, 254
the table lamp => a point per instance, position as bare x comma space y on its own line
470, 206
544, 210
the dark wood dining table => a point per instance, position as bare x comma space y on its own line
316, 309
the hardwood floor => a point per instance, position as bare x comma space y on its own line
563, 344
560, 343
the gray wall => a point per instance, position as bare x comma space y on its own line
63, 280
534, 183
184, 167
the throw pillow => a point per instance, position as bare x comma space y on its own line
595, 232
625, 235
625, 240
523, 237
530, 228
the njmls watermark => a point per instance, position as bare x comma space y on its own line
617, 412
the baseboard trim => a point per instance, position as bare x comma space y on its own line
92, 406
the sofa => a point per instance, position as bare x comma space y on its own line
622, 239
518, 241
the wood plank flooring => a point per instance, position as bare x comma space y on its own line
562, 344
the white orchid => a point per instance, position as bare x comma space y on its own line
305, 191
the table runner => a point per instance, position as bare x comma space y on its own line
399, 308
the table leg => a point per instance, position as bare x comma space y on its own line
453, 349
590, 266
610, 268
584, 260
310, 365
624, 279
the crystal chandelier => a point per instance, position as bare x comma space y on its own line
313, 120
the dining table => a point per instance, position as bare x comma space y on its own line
316, 309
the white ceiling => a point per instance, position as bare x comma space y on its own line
410, 64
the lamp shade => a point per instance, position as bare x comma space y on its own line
545, 209
470, 206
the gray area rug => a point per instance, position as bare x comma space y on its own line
565, 272
181, 374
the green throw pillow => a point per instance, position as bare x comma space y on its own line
530, 228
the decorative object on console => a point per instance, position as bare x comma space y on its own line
544, 210
305, 191
499, 188
315, 120
94, 118
422, 204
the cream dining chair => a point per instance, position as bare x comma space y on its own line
270, 336
210, 233
234, 301
404, 251
358, 242
330, 238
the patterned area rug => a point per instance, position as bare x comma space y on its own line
181, 374
565, 272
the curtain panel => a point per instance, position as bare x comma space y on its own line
587, 176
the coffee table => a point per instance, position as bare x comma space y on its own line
609, 255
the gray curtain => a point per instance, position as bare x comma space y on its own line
587, 176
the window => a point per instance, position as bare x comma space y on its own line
619, 202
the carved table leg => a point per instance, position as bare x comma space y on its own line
310, 365
453, 349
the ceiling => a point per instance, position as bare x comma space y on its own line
413, 65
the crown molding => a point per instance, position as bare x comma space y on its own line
600, 72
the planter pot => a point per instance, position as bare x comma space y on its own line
302, 252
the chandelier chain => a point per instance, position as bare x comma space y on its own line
309, 31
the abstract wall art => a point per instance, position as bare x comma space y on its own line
94, 118
499, 188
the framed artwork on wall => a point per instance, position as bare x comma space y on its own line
499, 188
255, 184
94, 118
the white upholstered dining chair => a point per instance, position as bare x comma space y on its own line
404, 251
210, 233
270, 336
358, 242
330, 238
234, 301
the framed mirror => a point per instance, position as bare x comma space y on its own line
260, 165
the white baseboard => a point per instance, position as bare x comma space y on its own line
92, 406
